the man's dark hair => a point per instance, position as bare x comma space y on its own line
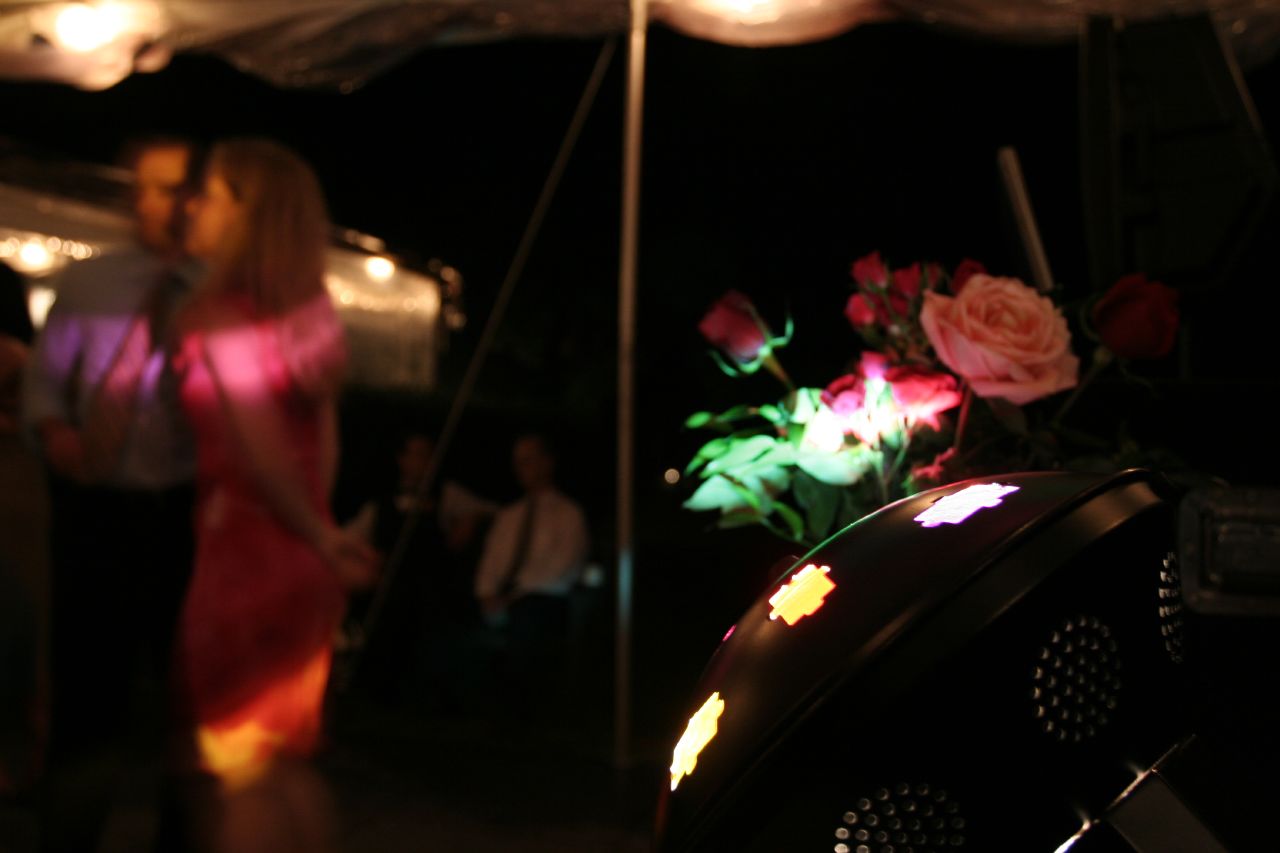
197, 153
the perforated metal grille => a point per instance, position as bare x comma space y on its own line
1076, 680
903, 819
1170, 605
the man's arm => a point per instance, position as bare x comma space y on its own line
49, 387
568, 552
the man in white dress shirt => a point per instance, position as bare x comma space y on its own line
533, 557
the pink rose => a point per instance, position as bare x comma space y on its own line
1137, 318
1002, 337
870, 270
845, 395
859, 311
732, 325
921, 395
964, 270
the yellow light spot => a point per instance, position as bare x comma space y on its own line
237, 756
379, 268
33, 257
802, 595
701, 729
81, 28
671, 475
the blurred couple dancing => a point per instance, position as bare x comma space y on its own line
209, 349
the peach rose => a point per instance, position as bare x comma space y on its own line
1002, 337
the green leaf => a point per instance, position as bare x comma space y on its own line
727, 368
734, 414
753, 498
801, 404
843, 468
819, 501
773, 414
851, 509
792, 518
710, 450
697, 419
740, 452
716, 492
739, 518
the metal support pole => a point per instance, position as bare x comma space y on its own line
626, 380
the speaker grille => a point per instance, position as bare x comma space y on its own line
906, 818
1076, 680
1170, 607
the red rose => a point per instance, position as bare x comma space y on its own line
935, 473
859, 311
921, 394
1137, 318
965, 269
845, 395
732, 325
870, 270
873, 365
906, 282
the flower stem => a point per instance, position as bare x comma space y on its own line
1101, 358
963, 423
775, 367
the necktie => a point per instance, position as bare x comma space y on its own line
113, 405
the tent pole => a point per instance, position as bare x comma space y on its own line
344, 673
628, 257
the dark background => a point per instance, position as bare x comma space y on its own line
765, 170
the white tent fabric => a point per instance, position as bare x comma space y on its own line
342, 43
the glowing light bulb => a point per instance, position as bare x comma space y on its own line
956, 508
34, 257
702, 727
379, 268
803, 595
81, 28
39, 301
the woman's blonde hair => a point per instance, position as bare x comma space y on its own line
275, 253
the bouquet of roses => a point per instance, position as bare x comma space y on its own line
903, 416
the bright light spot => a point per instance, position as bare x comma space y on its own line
238, 756
743, 11
39, 301
53, 244
346, 297
701, 729
803, 595
729, 633
824, 432
34, 257
1070, 842
671, 475
379, 268
955, 508
81, 28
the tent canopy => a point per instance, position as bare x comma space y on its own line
342, 43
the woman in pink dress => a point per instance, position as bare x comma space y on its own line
260, 358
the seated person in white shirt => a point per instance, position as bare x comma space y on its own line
533, 557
